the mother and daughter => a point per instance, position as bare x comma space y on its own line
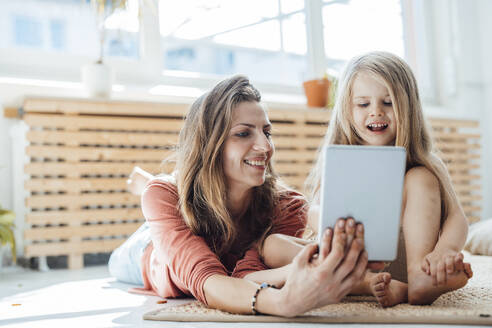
224, 229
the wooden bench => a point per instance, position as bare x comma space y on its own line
81, 152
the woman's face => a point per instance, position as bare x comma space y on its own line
372, 111
248, 147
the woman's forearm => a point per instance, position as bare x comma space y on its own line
235, 295
274, 277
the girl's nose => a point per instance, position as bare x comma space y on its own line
376, 111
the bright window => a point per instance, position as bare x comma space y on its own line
265, 39
68, 27
353, 27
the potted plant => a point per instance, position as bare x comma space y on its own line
7, 233
97, 77
319, 92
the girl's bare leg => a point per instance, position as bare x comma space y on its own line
421, 225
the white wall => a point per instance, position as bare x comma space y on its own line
485, 27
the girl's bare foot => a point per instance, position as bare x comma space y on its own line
422, 290
388, 292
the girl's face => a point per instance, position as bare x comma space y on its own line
248, 147
372, 111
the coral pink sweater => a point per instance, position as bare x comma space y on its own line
177, 262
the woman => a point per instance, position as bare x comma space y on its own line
207, 221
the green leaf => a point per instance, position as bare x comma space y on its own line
7, 237
6, 217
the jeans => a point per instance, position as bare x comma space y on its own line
125, 261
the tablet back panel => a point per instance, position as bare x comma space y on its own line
365, 182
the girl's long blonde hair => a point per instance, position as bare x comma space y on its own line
199, 172
411, 129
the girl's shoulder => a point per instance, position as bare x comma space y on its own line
421, 176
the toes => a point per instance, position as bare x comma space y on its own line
386, 277
379, 287
468, 270
382, 300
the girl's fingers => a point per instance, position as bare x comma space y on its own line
449, 261
441, 273
433, 272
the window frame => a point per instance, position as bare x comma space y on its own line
149, 68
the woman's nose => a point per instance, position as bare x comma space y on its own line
263, 143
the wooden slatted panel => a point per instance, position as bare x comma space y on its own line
81, 153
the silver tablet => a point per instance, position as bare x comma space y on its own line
366, 183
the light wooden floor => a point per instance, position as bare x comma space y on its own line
89, 298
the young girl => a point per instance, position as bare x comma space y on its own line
207, 221
378, 104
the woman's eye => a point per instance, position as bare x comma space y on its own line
242, 134
387, 103
268, 134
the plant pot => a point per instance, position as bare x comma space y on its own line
97, 79
317, 92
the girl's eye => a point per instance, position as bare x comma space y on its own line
363, 105
242, 134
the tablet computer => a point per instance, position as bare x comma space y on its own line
366, 183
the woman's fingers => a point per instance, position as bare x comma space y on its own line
325, 244
350, 259
305, 255
338, 245
356, 276
350, 230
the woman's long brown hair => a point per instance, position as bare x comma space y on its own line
199, 171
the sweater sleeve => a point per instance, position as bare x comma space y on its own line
251, 262
290, 219
188, 258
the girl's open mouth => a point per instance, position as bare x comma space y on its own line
376, 127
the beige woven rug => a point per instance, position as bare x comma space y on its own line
471, 305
